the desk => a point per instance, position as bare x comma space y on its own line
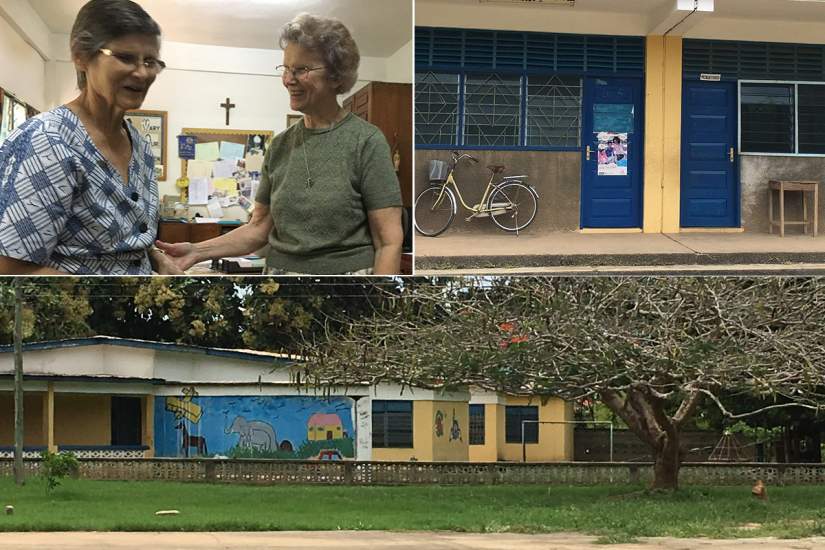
182, 232
804, 187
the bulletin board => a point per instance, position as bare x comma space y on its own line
207, 135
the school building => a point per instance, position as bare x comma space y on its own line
116, 397
654, 116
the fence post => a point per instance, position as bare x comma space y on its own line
349, 466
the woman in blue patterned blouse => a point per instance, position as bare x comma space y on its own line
78, 192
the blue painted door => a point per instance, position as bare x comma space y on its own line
709, 186
612, 139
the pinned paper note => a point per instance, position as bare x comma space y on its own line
224, 168
199, 168
207, 151
214, 209
254, 163
227, 186
198, 191
231, 150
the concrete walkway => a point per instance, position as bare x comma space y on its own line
373, 540
532, 253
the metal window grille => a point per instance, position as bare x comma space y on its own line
492, 110
768, 118
436, 108
476, 424
739, 60
392, 424
513, 417
811, 119
554, 106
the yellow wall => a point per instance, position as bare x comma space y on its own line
445, 448
663, 133
148, 425
82, 419
493, 435
32, 419
555, 440
422, 442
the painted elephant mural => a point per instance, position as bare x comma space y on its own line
255, 426
254, 434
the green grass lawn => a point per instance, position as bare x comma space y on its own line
615, 514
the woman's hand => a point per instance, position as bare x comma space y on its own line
181, 255
163, 264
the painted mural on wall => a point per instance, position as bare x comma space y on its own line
285, 427
455, 427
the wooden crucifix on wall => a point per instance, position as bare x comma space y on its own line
227, 106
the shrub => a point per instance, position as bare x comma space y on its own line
56, 466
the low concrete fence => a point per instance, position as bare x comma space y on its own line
272, 472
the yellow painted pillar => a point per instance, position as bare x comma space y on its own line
663, 134
149, 425
671, 193
48, 418
501, 440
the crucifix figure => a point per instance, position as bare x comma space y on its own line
227, 106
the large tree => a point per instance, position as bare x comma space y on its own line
650, 349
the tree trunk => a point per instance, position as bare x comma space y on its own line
667, 461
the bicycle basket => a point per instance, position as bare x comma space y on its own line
438, 171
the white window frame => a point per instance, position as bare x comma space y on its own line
796, 84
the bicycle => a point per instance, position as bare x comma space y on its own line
510, 203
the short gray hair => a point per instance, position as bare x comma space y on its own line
332, 40
100, 21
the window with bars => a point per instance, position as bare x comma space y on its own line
492, 110
782, 118
491, 106
476, 424
436, 108
392, 424
513, 419
554, 111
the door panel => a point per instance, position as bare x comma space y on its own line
612, 124
709, 184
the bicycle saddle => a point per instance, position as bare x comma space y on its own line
496, 168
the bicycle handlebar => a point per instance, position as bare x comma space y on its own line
457, 157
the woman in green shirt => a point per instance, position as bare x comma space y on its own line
329, 200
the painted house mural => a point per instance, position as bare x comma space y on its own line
286, 427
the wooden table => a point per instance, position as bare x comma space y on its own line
804, 187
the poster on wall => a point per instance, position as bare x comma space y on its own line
152, 126
612, 151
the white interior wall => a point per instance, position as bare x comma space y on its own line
198, 79
399, 66
22, 69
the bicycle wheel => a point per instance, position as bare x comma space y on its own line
513, 206
434, 210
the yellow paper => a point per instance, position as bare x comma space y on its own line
207, 151
199, 169
226, 185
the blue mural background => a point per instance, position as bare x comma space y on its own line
254, 426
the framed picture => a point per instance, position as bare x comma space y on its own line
152, 126
292, 119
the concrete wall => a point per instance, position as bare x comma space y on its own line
555, 440
22, 69
493, 435
422, 448
555, 175
450, 425
756, 171
82, 419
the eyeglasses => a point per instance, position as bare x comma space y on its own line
134, 61
299, 73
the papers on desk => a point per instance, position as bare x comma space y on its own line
198, 191
201, 219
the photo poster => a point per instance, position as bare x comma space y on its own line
150, 125
612, 153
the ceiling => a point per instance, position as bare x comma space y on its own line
379, 27
771, 10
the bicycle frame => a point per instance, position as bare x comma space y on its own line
477, 209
